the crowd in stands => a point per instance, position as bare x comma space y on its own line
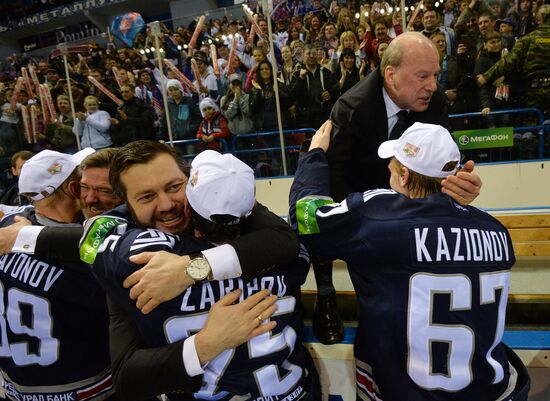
321, 50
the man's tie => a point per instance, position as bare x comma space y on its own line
401, 125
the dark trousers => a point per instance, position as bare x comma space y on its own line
523, 383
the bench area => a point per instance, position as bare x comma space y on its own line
530, 233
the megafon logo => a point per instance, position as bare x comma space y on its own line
464, 140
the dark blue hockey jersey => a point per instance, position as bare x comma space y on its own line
431, 277
53, 330
269, 365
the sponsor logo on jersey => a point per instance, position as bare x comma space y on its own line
94, 237
306, 210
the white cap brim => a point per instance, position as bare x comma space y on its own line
79, 156
387, 149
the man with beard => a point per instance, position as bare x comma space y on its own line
54, 317
221, 195
270, 242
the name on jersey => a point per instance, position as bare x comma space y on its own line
29, 270
212, 291
454, 244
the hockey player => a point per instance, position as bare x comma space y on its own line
431, 275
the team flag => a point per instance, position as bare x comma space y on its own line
127, 26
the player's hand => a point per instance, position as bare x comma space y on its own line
465, 186
161, 279
230, 325
8, 234
321, 139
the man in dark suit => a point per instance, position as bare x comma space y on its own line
402, 91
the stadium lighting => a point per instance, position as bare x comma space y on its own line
412, 8
422, 6
406, 9
147, 50
179, 47
366, 13
161, 50
142, 51
382, 11
210, 41
390, 10
437, 4
152, 48
357, 15
224, 37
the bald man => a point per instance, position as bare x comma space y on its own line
402, 91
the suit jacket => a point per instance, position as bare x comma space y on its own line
360, 125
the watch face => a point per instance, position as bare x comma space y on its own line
198, 269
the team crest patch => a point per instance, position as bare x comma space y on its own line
55, 168
194, 178
410, 150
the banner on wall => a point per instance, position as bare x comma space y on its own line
66, 34
59, 12
485, 138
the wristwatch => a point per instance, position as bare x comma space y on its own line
198, 268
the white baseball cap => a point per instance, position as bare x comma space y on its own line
220, 184
423, 148
43, 173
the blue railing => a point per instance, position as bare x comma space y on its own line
265, 146
197, 145
540, 128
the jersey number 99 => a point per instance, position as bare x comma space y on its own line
40, 327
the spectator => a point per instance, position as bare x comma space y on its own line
262, 99
329, 38
487, 58
235, 107
59, 134
134, 119
93, 126
311, 91
506, 29
314, 31
380, 35
348, 40
208, 86
12, 197
432, 23
184, 116
530, 57
346, 76
289, 65
522, 15
105, 101
344, 22
259, 55
11, 139
213, 125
